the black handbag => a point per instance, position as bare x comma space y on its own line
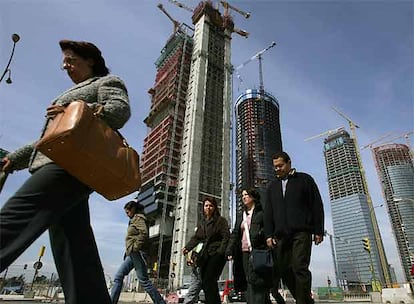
261, 260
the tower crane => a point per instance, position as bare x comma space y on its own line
381, 138
258, 55
176, 24
326, 133
405, 135
226, 7
179, 4
378, 241
227, 16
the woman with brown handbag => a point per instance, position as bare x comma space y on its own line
51, 199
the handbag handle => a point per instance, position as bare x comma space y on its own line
98, 113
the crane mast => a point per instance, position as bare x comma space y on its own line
377, 235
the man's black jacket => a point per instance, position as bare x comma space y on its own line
299, 210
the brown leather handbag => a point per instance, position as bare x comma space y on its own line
87, 148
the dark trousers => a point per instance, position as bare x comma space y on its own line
292, 265
52, 199
254, 294
210, 273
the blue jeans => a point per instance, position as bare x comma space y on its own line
195, 286
135, 260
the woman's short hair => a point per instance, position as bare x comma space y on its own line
87, 50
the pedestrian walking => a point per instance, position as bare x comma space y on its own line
52, 199
135, 254
248, 233
213, 233
293, 218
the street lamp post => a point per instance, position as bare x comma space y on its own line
15, 39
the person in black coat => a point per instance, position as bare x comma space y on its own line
293, 215
245, 279
213, 232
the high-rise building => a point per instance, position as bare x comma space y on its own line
396, 173
258, 138
351, 215
160, 160
205, 154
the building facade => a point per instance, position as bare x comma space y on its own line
351, 215
395, 170
205, 155
258, 137
160, 159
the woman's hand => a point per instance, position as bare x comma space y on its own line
229, 257
185, 251
54, 110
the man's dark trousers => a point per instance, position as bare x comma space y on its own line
293, 254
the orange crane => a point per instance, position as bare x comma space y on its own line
381, 252
258, 55
176, 24
226, 15
227, 5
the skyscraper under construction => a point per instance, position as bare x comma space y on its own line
160, 161
351, 215
396, 173
205, 154
258, 138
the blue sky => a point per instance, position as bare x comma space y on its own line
354, 55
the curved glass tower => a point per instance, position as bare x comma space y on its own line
396, 173
258, 138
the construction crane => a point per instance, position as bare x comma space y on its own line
405, 135
383, 260
326, 133
258, 55
333, 256
226, 7
176, 24
227, 16
179, 4
381, 138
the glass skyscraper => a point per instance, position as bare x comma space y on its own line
396, 172
351, 215
258, 138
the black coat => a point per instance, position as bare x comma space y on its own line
300, 210
257, 239
214, 233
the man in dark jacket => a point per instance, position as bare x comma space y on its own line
293, 213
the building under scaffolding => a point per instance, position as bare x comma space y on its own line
258, 138
160, 160
205, 154
396, 173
